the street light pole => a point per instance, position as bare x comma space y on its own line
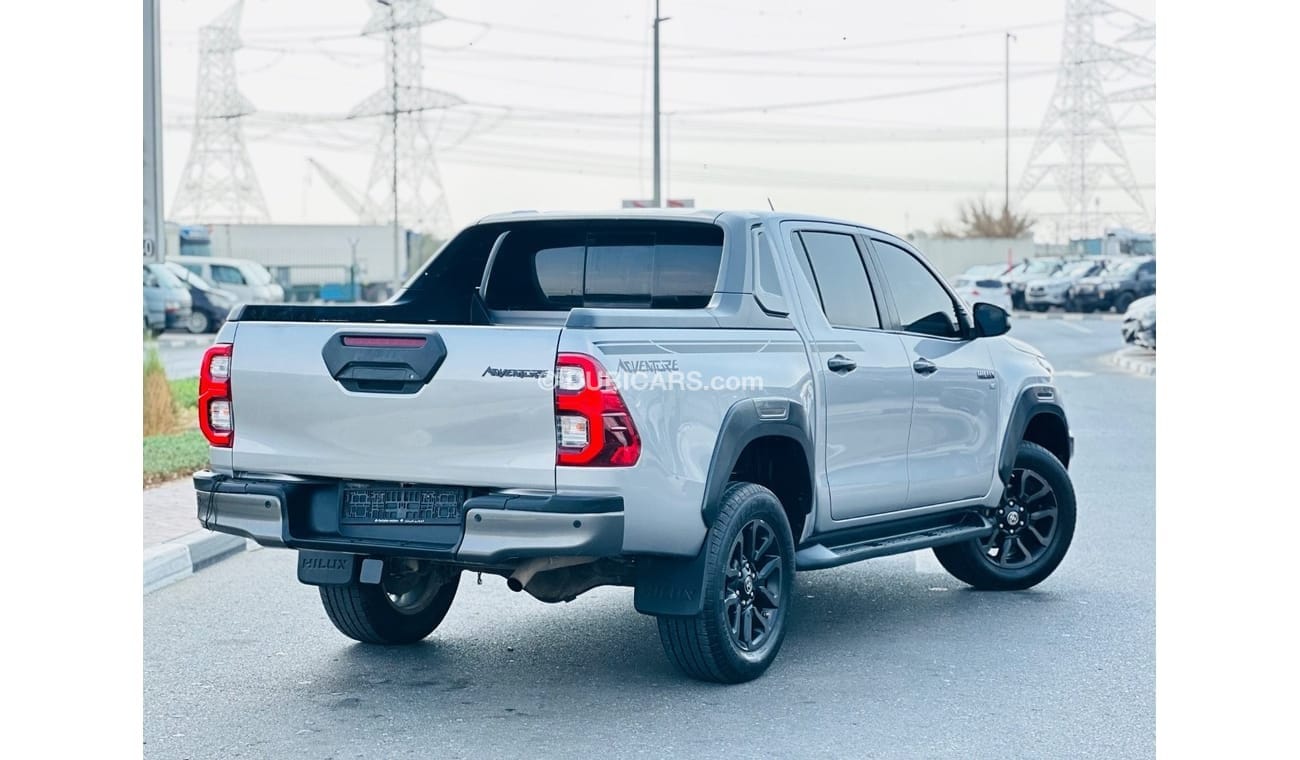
657, 196
1006, 169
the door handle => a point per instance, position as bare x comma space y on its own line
841, 363
924, 366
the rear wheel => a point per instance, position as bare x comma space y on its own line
1035, 524
406, 605
748, 588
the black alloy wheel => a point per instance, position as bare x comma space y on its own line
1026, 521
1031, 528
751, 593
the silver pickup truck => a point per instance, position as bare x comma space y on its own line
696, 405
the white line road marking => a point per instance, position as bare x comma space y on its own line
1076, 327
926, 564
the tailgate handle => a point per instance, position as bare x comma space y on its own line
373, 363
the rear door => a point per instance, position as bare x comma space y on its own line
952, 448
864, 371
451, 405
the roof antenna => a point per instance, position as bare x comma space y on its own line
769, 204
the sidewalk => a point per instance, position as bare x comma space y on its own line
175, 546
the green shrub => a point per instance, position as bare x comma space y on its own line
186, 392
174, 454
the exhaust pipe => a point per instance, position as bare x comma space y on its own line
523, 574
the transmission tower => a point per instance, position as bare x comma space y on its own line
404, 184
218, 184
1078, 144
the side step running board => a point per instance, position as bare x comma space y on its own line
818, 556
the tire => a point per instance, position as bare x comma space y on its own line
1022, 560
198, 323
1123, 301
366, 611
750, 523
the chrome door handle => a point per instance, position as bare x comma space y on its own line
924, 366
841, 363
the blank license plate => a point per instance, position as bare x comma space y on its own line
402, 505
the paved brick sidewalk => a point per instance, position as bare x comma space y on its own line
175, 545
169, 511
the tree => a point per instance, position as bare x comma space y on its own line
980, 221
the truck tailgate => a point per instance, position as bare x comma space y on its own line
347, 401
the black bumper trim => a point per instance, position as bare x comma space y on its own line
558, 503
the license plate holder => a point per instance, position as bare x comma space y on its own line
401, 504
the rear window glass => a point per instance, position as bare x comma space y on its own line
560, 267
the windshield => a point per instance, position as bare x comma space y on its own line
165, 277
1040, 266
1124, 269
188, 277
256, 273
1078, 269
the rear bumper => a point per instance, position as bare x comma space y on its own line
496, 529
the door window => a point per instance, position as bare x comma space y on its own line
924, 306
841, 279
230, 275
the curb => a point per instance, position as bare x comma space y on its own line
1142, 366
1067, 315
184, 341
175, 560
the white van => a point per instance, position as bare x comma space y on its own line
248, 280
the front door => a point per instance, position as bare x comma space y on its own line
952, 450
866, 376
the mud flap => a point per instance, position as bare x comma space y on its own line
326, 568
670, 585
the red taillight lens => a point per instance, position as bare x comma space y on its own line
216, 415
593, 427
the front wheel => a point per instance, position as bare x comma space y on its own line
1035, 524
1123, 301
748, 588
410, 601
198, 323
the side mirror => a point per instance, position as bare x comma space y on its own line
990, 320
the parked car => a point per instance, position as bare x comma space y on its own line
974, 288
155, 305
1120, 284
1043, 294
1018, 277
210, 305
248, 280
1139, 326
177, 303
552, 399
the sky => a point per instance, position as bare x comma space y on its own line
887, 113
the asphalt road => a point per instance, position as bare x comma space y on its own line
889, 658
181, 353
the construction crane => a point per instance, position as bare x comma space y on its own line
354, 200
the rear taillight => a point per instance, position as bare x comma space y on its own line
593, 427
216, 415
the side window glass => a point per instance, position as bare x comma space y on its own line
841, 279
767, 284
923, 304
226, 274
